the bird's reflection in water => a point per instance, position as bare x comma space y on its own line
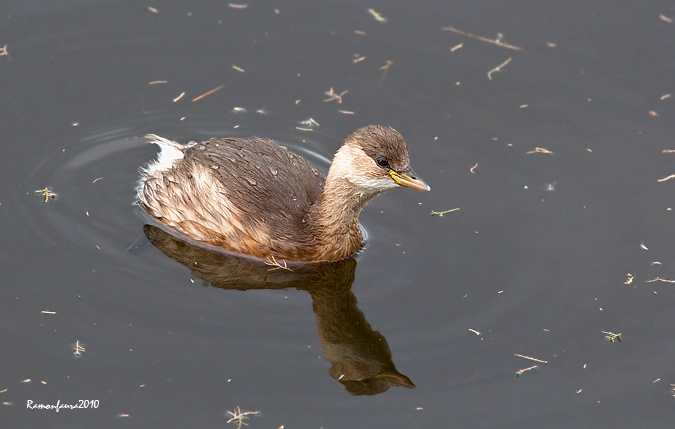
360, 357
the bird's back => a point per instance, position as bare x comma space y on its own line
248, 195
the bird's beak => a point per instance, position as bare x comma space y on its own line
409, 178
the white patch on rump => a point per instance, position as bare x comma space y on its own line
170, 152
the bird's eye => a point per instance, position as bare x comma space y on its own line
382, 162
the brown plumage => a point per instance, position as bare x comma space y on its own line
252, 196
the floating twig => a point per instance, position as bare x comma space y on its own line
659, 279
47, 194
611, 336
377, 16
310, 123
440, 214
540, 150
498, 68
531, 358
333, 96
239, 69
482, 39
239, 417
525, 370
666, 178
271, 261
208, 93
238, 6
473, 168
385, 67
5, 52
78, 349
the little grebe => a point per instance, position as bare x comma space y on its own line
252, 196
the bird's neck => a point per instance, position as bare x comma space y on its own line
336, 215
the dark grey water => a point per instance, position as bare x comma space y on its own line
546, 251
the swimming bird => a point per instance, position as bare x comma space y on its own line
255, 197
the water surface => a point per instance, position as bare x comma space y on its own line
556, 162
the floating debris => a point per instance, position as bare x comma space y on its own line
525, 370
498, 68
334, 96
611, 336
385, 67
482, 39
47, 194
440, 214
158, 82
378, 17
78, 349
310, 123
271, 261
659, 279
530, 358
239, 69
208, 93
539, 150
239, 417
5, 52
179, 97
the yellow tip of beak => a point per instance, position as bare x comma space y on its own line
409, 179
